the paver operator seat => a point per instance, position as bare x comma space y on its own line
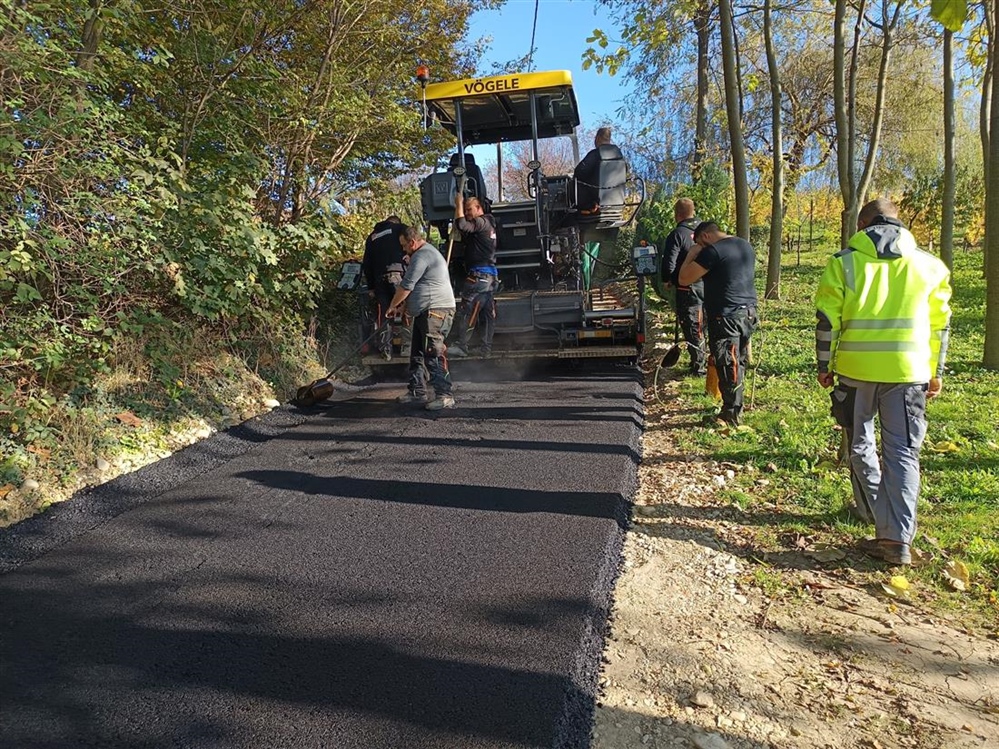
474, 182
601, 202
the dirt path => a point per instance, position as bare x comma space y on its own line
700, 656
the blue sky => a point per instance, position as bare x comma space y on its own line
563, 27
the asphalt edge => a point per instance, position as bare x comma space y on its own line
90, 508
574, 726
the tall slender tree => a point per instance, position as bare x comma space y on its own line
702, 28
852, 188
990, 356
950, 167
733, 109
772, 290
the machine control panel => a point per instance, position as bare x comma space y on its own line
643, 258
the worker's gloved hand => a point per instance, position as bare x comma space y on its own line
827, 379
936, 385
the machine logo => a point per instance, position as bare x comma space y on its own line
490, 86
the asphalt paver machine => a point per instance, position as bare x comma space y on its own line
547, 306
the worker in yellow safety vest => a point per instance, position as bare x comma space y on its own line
883, 308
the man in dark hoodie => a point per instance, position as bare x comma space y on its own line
689, 299
384, 265
883, 308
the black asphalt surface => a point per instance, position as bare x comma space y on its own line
361, 575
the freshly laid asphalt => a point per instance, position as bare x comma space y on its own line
361, 575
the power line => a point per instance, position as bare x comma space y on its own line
534, 28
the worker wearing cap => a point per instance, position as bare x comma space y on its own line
883, 308
383, 266
728, 265
477, 308
689, 299
426, 292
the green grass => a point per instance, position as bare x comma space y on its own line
793, 442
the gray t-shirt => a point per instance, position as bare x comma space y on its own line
428, 281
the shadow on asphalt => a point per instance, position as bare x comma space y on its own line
598, 448
150, 645
605, 505
473, 406
58, 656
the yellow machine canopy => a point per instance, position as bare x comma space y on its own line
498, 108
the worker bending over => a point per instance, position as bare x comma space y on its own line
727, 264
426, 292
384, 265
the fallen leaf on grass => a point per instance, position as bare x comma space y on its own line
931, 541
5, 490
825, 553
956, 574
41, 452
897, 587
128, 418
944, 447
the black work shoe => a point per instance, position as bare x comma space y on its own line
729, 418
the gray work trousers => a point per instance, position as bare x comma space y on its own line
889, 487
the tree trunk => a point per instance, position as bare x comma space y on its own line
844, 141
91, 37
732, 98
950, 169
990, 357
702, 25
985, 114
777, 201
90, 40
874, 142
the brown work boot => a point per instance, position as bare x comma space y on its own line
893, 552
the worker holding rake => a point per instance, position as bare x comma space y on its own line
426, 292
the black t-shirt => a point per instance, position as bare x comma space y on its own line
381, 250
678, 242
479, 237
728, 284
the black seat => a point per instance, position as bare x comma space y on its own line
612, 176
474, 174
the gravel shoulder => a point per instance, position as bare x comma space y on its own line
705, 652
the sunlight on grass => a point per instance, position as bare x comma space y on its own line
793, 442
